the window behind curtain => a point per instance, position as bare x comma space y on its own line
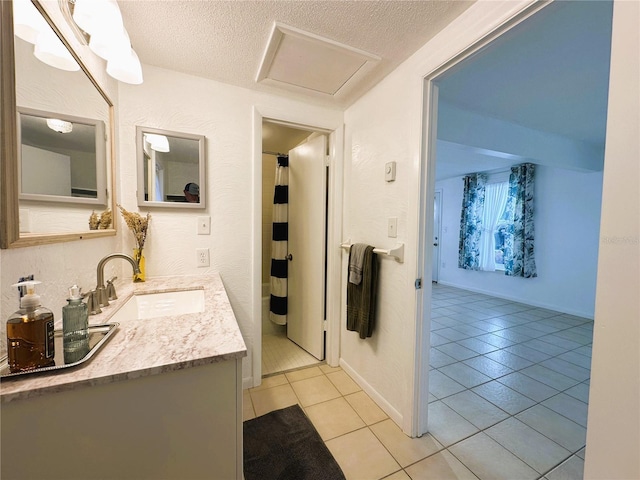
500, 234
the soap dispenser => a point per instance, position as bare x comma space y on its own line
75, 323
30, 342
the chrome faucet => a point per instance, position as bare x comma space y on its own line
101, 290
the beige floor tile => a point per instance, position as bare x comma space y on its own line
343, 382
267, 400
270, 382
247, 406
398, 476
305, 373
366, 408
334, 418
441, 466
361, 456
315, 390
327, 369
405, 450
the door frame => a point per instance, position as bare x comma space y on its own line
332, 124
424, 255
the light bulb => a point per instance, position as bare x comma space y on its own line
50, 50
126, 68
27, 21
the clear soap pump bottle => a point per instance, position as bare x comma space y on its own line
75, 324
30, 342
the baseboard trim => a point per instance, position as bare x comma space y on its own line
375, 396
247, 382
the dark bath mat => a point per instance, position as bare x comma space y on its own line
284, 445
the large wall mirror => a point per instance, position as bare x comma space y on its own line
171, 169
57, 127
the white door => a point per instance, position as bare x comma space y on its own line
437, 212
307, 220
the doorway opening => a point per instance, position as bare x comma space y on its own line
504, 350
293, 246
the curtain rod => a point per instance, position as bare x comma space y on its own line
277, 154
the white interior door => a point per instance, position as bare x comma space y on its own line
307, 220
437, 212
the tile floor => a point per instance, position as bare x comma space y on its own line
508, 398
280, 354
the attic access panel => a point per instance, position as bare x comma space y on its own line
300, 59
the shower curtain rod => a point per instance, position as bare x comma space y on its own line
277, 154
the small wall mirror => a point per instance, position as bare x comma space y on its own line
61, 158
171, 168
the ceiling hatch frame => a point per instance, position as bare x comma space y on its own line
304, 62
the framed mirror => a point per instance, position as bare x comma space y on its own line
48, 193
171, 169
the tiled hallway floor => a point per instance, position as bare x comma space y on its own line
509, 392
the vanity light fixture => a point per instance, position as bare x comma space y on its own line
27, 21
101, 21
31, 27
60, 126
159, 143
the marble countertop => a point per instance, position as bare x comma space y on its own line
147, 347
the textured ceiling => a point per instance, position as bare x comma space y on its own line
550, 73
225, 40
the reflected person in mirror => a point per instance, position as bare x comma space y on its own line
192, 192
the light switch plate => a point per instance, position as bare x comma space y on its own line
204, 225
390, 171
392, 228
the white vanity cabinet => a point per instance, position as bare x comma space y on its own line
154, 420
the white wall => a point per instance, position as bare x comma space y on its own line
613, 427
567, 222
385, 125
224, 115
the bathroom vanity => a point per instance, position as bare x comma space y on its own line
161, 399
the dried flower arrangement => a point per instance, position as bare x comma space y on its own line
100, 222
138, 224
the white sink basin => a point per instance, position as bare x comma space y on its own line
144, 306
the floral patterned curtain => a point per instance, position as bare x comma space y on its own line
471, 221
519, 259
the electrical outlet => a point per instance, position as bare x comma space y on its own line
202, 257
204, 225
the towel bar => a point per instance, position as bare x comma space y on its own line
396, 252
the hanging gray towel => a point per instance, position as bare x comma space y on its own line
356, 260
361, 299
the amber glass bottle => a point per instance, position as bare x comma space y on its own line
30, 342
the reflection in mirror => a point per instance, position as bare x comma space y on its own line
171, 168
62, 158
38, 84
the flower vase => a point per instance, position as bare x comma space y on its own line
139, 258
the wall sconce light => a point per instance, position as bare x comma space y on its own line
59, 126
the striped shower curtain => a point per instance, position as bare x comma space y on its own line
279, 244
